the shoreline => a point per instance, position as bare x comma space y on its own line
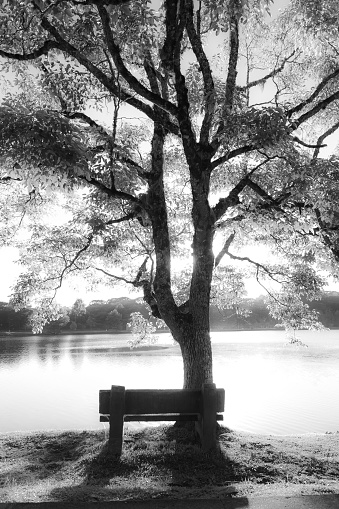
136, 427
8, 334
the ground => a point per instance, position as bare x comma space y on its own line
164, 462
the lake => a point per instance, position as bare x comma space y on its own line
52, 382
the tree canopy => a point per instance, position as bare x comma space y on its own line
176, 137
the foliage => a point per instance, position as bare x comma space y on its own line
114, 320
78, 308
46, 141
10, 320
294, 340
51, 315
142, 330
293, 313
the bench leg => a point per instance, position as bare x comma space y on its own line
116, 419
207, 425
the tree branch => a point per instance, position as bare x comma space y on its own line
224, 250
232, 72
9, 179
174, 33
232, 153
151, 74
115, 193
43, 50
128, 217
230, 201
308, 145
118, 278
103, 2
171, 55
209, 94
315, 94
233, 60
157, 211
199, 18
261, 192
327, 240
133, 82
256, 264
318, 107
79, 115
268, 76
155, 78
105, 80
233, 197
72, 262
321, 138
146, 285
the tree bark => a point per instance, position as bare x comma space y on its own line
196, 346
196, 353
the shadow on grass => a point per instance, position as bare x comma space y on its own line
39, 456
162, 462
33, 465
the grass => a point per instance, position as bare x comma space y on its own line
164, 462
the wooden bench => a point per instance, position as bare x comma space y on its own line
202, 406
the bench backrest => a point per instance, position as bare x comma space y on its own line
160, 401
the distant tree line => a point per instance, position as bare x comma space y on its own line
114, 315
254, 314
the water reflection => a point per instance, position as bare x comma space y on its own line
53, 381
14, 349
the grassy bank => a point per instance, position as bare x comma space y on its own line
164, 462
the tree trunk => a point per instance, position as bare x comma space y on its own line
196, 352
189, 326
196, 345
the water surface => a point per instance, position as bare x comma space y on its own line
52, 382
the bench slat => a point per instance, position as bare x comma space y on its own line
161, 401
163, 417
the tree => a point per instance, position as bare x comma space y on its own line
114, 320
203, 175
77, 314
78, 308
90, 323
73, 326
11, 320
